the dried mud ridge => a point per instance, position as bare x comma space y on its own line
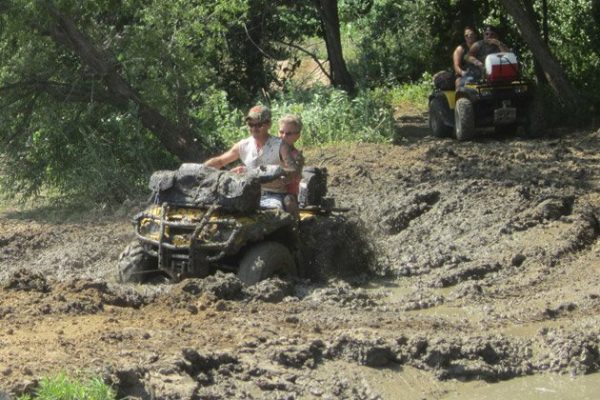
465, 260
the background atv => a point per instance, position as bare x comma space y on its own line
501, 99
202, 219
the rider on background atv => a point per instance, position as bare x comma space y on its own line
479, 51
459, 62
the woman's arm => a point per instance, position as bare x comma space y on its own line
457, 56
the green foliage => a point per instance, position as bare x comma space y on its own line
202, 64
62, 387
395, 42
330, 115
83, 157
64, 132
412, 95
391, 46
575, 42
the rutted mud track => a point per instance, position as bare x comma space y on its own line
477, 261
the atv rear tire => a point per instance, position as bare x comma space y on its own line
134, 264
436, 122
464, 120
264, 260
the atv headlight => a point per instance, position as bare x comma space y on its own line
485, 92
149, 227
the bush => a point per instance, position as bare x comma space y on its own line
91, 159
102, 157
330, 115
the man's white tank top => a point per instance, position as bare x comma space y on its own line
253, 158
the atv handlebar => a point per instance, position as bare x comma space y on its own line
266, 174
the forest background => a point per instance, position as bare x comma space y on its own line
95, 95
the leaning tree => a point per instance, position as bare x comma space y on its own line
553, 71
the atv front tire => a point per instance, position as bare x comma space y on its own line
264, 260
134, 264
535, 119
464, 120
436, 122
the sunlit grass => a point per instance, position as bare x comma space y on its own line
62, 387
331, 116
412, 95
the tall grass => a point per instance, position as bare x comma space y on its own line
412, 95
331, 116
62, 387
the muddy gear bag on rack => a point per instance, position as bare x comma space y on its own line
198, 185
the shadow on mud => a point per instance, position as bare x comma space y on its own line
64, 213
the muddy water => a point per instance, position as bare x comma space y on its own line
404, 291
542, 387
409, 383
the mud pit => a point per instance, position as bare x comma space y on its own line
479, 263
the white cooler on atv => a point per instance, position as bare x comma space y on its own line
501, 67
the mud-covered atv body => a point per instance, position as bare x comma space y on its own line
212, 221
501, 100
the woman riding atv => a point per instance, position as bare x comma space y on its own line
460, 53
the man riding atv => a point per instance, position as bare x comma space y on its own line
202, 219
492, 95
261, 149
478, 52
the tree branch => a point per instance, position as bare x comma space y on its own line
264, 53
311, 55
60, 91
554, 72
176, 139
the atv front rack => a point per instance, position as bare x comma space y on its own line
175, 241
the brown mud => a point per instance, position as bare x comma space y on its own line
460, 265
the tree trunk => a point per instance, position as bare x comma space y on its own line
253, 69
340, 77
545, 20
552, 70
176, 139
537, 68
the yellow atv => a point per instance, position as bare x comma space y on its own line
201, 220
499, 99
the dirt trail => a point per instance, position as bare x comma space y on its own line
485, 266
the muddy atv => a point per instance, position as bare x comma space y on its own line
501, 101
202, 219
